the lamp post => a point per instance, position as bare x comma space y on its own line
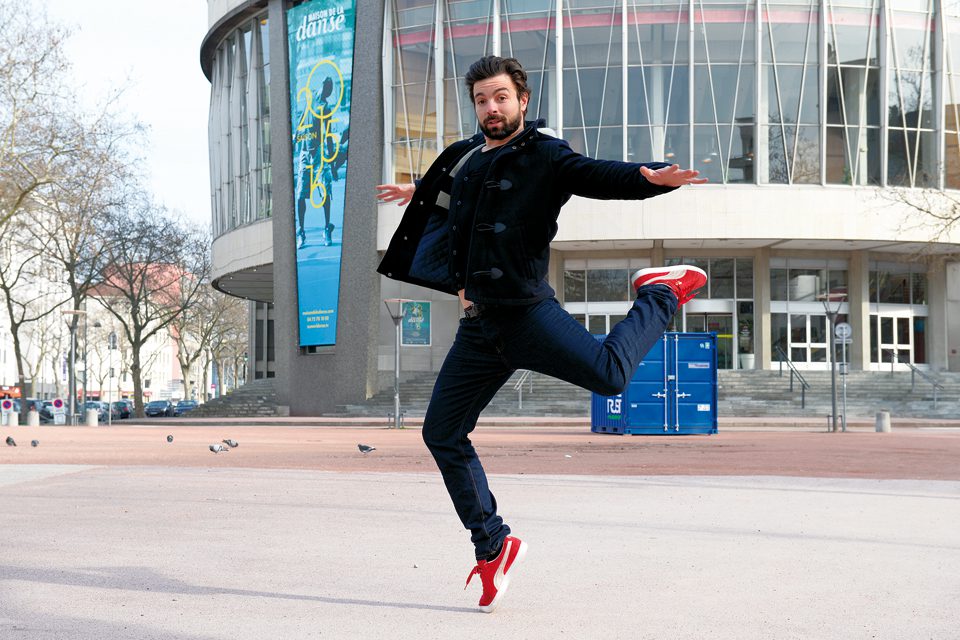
397, 321
831, 331
111, 345
72, 382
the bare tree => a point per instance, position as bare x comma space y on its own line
229, 343
148, 279
199, 327
35, 142
25, 290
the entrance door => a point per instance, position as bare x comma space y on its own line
895, 337
722, 323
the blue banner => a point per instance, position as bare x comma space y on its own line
320, 35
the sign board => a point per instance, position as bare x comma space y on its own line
415, 327
59, 411
843, 331
7, 408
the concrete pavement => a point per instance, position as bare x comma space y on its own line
112, 532
94, 552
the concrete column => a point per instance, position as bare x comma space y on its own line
761, 308
936, 333
952, 306
858, 299
656, 254
315, 383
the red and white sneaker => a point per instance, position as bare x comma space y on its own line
495, 574
683, 279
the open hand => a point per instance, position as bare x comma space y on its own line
398, 193
672, 176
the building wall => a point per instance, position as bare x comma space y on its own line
798, 177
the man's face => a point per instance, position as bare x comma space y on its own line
499, 111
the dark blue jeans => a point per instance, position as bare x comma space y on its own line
540, 337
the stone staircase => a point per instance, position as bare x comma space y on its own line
257, 398
542, 396
766, 393
741, 393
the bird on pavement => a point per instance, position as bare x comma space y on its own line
11, 442
169, 438
231, 443
34, 443
217, 448
365, 449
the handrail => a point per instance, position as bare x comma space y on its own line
518, 387
895, 357
804, 385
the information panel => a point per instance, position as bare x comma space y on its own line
415, 329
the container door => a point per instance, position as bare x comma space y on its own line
692, 396
647, 393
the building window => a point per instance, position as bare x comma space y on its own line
239, 128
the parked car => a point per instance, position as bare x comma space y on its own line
45, 414
159, 408
186, 406
100, 407
122, 409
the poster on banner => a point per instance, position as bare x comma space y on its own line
320, 36
415, 328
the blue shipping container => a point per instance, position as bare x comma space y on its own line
674, 390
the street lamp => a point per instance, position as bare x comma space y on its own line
72, 383
397, 320
831, 332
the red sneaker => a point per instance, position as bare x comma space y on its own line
495, 574
683, 279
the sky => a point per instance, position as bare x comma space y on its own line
153, 48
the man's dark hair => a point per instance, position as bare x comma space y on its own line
490, 66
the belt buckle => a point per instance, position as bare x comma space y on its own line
472, 311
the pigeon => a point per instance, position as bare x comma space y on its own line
365, 449
231, 443
217, 448
11, 442
169, 438
34, 443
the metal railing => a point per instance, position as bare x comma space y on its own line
526, 376
914, 372
804, 385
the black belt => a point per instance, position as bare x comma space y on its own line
474, 310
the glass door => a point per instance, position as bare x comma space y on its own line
722, 323
895, 336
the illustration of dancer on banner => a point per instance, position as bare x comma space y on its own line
319, 156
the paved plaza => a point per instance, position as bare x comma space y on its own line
115, 533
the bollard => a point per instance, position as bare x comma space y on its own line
883, 421
33, 418
13, 420
92, 417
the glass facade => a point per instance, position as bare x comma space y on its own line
827, 92
239, 128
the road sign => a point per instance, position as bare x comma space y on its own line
843, 331
59, 411
6, 405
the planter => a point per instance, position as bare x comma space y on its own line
747, 360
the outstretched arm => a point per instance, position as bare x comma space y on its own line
672, 176
401, 194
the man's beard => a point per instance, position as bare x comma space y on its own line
507, 129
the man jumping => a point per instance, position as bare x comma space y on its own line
479, 227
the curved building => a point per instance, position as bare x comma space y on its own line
829, 130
